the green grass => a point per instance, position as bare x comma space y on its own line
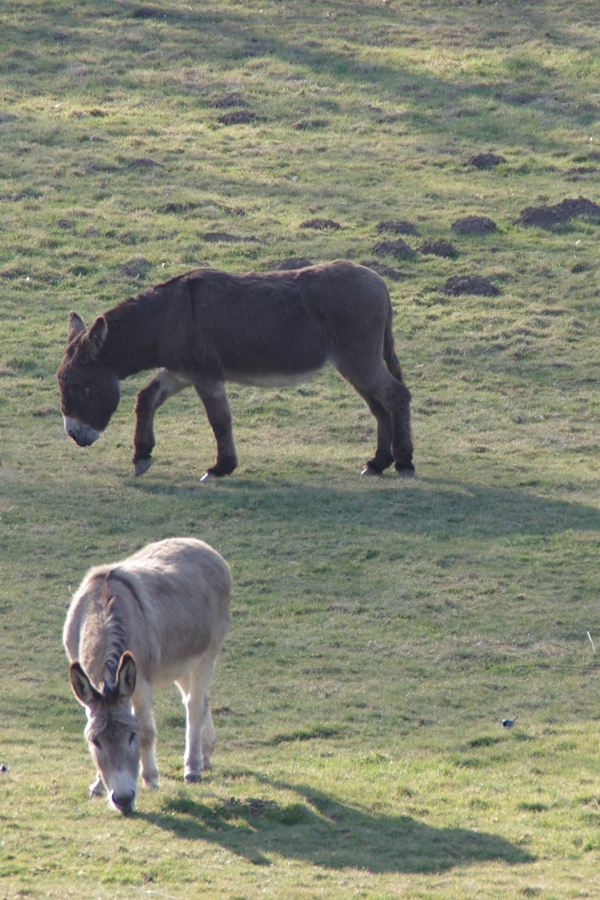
381, 629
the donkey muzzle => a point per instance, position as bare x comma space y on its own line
82, 434
123, 802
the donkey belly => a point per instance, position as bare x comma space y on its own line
170, 673
271, 379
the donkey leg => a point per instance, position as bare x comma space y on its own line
383, 455
142, 708
162, 386
200, 733
389, 401
96, 788
216, 404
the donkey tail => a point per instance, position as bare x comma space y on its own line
389, 353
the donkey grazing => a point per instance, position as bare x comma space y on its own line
158, 617
208, 327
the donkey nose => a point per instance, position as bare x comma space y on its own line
124, 802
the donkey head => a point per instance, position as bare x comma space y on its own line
89, 391
112, 731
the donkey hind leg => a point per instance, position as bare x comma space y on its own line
383, 454
200, 733
389, 401
162, 386
142, 707
214, 397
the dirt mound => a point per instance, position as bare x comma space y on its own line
213, 237
569, 208
470, 284
473, 225
397, 248
485, 160
239, 117
292, 262
227, 101
397, 226
381, 269
320, 224
438, 248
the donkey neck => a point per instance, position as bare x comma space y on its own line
133, 337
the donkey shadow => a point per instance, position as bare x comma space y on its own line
322, 831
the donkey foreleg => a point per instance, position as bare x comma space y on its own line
214, 398
96, 788
162, 386
142, 707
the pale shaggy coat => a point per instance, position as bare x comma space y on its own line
160, 616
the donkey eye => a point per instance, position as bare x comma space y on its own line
96, 743
132, 737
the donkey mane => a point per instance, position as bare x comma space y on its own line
108, 629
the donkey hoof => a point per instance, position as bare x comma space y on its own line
405, 471
369, 471
142, 465
192, 777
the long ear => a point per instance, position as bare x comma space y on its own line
96, 337
76, 326
83, 688
126, 675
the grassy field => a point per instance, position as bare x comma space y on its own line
381, 628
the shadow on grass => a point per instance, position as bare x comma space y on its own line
318, 829
443, 506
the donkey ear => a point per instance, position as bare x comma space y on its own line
83, 688
76, 326
96, 337
126, 675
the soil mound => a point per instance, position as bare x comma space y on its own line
470, 284
485, 160
397, 248
438, 248
473, 225
292, 262
213, 237
547, 216
320, 224
397, 226
239, 117
381, 269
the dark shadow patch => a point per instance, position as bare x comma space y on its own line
473, 225
328, 833
470, 284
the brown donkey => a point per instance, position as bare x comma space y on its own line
208, 327
158, 617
